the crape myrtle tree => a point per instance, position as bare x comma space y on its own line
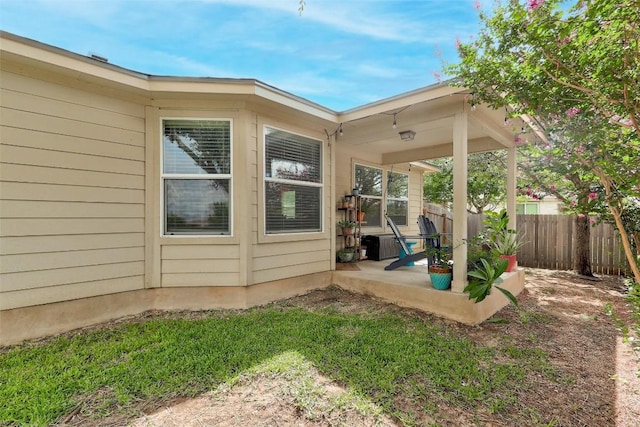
566, 63
545, 170
486, 181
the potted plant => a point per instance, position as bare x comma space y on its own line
346, 254
363, 252
347, 226
440, 269
345, 202
485, 277
364, 207
507, 244
362, 212
504, 240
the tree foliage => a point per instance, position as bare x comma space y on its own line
574, 68
486, 181
545, 170
438, 186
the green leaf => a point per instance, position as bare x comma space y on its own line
509, 295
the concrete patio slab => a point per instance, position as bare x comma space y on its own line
411, 287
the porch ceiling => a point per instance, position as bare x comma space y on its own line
430, 114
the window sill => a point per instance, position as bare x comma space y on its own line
195, 239
292, 237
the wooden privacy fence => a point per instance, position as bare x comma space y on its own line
440, 216
550, 243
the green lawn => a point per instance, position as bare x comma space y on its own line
387, 358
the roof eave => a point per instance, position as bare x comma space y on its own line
77, 64
427, 93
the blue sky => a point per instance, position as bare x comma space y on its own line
340, 54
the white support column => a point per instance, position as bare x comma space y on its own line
459, 202
512, 164
332, 143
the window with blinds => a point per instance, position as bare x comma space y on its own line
293, 182
196, 175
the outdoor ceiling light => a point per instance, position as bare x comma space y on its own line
407, 135
395, 116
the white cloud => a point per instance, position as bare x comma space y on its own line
384, 20
193, 68
375, 70
306, 84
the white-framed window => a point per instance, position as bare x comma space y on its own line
196, 176
528, 208
398, 197
368, 181
379, 195
293, 183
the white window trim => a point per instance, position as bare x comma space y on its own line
384, 197
400, 199
381, 197
195, 176
320, 185
383, 205
531, 203
382, 190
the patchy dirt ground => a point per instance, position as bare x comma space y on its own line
561, 314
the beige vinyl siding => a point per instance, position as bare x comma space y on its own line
61, 242
415, 200
275, 261
50, 158
71, 144
47, 192
55, 226
33, 173
72, 193
200, 265
59, 260
70, 291
63, 276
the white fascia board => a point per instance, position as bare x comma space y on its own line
201, 86
425, 166
283, 98
537, 127
498, 132
244, 87
73, 62
400, 101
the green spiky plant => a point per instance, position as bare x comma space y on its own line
485, 277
